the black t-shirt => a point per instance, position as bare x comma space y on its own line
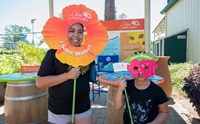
61, 96
143, 103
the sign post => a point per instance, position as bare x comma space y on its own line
22, 35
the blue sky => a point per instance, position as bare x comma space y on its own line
21, 12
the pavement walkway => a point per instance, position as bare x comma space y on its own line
178, 114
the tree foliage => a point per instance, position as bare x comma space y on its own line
12, 33
122, 16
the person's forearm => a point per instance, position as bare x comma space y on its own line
49, 81
119, 100
161, 118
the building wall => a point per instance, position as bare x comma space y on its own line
159, 31
185, 14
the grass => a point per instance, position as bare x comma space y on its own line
178, 72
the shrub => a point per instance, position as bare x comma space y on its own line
192, 87
30, 54
10, 63
178, 71
27, 54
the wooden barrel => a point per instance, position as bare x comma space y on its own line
25, 103
114, 116
2, 90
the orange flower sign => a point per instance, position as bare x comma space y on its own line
55, 35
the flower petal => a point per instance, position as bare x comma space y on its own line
55, 35
79, 13
54, 31
75, 61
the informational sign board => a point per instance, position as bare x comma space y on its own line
125, 37
29, 69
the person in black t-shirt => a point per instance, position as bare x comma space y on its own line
59, 79
148, 101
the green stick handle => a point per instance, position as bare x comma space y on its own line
129, 110
73, 104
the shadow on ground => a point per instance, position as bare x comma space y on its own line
177, 113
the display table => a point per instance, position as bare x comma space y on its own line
111, 79
24, 102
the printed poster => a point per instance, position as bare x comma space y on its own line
125, 37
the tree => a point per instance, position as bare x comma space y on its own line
122, 16
41, 42
12, 33
109, 10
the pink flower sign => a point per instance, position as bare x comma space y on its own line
142, 63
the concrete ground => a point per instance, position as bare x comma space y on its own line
178, 114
